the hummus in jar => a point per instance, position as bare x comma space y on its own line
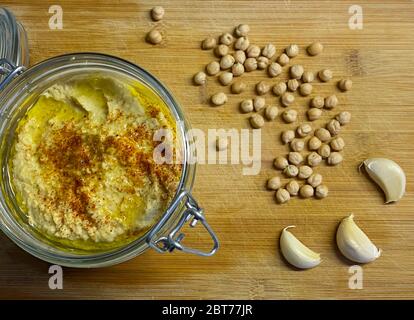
82, 166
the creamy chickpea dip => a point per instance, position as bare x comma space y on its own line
82, 165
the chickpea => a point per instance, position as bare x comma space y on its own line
288, 136
221, 143
325, 75
287, 99
295, 158
262, 63
256, 121
253, 51
314, 159
280, 163
274, 69
259, 103
239, 56
200, 78
323, 134
250, 64
296, 71
331, 102
324, 151
154, 37
213, 68
282, 196
241, 43
334, 159
315, 180
226, 62
283, 59
317, 102
314, 114
219, 99
343, 117
292, 50
293, 84
315, 48
271, 112
305, 172
262, 87
334, 127
308, 77
237, 69
305, 89
157, 13
297, 145
274, 183
321, 191
345, 84
269, 51
306, 191
314, 143
290, 116
337, 144
246, 106
208, 43
242, 30
221, 50
226, 78
292, 187
304, 129
238, 87
279, 88
291, 171
226, 38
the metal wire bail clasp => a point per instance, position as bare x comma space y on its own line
192, 214
8, 71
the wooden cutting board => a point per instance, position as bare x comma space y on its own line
379, 59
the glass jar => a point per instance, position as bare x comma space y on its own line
19, 87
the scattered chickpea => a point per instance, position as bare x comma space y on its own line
314, 159
324, 151
221, 143
304, 129
288, 136
280, 163
305, 172
219, 99
200, 78
256, 121
287, 99
208, 43
283, 59
305, 89
337, 144
262, 62
314, 114
246, 106
296, 71
213, 68
345, 84
274, 183
314, 143
306, 191
325, 75
274, 69
315, 48
292, 187
253, 51
290, 116
295, 158
221, 50
334, 158
269, 51
154, 37
317, 102
321, 191
343, 117
250, 64
226, 62
241, 43
262, 87
330, 102
282, 196
238, 87
315, 180
334, 127
323, 134
297, 145
226, 78
271, 112
291, 171
292, 50
237, 69
293, 84
242, 30
259, 103
308, 76
226, 38
279, 88
239, 56
157, 13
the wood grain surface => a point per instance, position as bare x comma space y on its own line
379, 59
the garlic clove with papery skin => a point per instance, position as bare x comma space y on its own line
354, 243
388, 175
296, 253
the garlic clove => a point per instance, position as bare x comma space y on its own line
354, 243
296, 253
388, 175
